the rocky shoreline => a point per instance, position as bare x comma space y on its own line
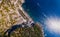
12, 16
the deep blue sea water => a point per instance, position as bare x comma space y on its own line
40, 10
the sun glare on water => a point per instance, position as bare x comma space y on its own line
53, 24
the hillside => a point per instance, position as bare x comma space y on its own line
12, 16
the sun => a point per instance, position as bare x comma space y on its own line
53, 24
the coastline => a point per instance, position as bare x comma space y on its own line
25, 15
16, 16
30, 19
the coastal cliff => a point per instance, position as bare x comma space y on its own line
12, 15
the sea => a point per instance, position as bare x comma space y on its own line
41, 10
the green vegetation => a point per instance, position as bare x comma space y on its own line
7, 9
35, 31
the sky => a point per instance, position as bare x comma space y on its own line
47, 12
